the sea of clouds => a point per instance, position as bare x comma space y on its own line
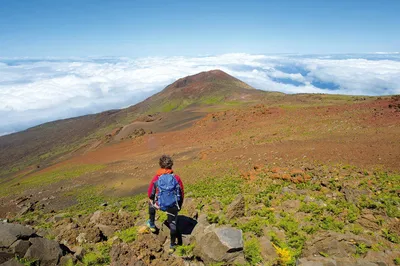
34, 91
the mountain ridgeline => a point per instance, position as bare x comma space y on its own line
43, 144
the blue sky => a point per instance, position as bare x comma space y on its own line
60, 59
191, 28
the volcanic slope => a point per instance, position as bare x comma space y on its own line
319, 177
41, 145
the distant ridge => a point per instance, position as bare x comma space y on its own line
209, 87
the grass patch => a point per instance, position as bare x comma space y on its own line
99, 254
255, 225
43, 179
223, 189
27, 262
185, 250
128, 235
252, 251
391, 236
89, 200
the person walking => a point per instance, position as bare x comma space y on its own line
166, 193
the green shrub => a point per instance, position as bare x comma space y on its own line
252, 251
296, 242
99, 255
352, 213
223, 189
310, 229
128, 235
391, 203
28, 262
392, 237
265, 213
356, 229
212, 218
309, 186
361, 248
334, 208
311, 207
254, 225
330, 223
289, 224
185, 251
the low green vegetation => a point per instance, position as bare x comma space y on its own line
27, 262
255, 225
128, 235
185, 250
18, 185
99, 254
361, 249
252, 250
223, 189
280, 211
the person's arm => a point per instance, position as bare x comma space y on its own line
181, 191
151, 192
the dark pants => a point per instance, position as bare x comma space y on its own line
172, 220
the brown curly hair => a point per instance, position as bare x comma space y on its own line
166, 162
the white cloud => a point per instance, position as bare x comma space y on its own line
41, 90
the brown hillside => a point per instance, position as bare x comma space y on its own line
41, 145
205, 88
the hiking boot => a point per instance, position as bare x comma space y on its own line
151, 226
172, 249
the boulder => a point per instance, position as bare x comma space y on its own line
79, 252
94, 235
193, 263
333, 244
107, 231
26, 208
218, 244
146, 250
190, 205
5, 256
12, 232
214, 205
123, 214
12, 262
382, 258
96, 217
237, 208
291, 205
45, 250
268, 252
81, 238
202, 219
58, 217
20, 247
122, 254
352, 195
368, 221
335, 261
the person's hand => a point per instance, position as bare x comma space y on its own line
154, 204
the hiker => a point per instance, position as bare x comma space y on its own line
166, 194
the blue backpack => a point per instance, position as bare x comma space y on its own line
168, 191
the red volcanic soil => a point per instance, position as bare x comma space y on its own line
365, 134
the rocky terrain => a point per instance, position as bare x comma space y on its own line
313, 215
271, 180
